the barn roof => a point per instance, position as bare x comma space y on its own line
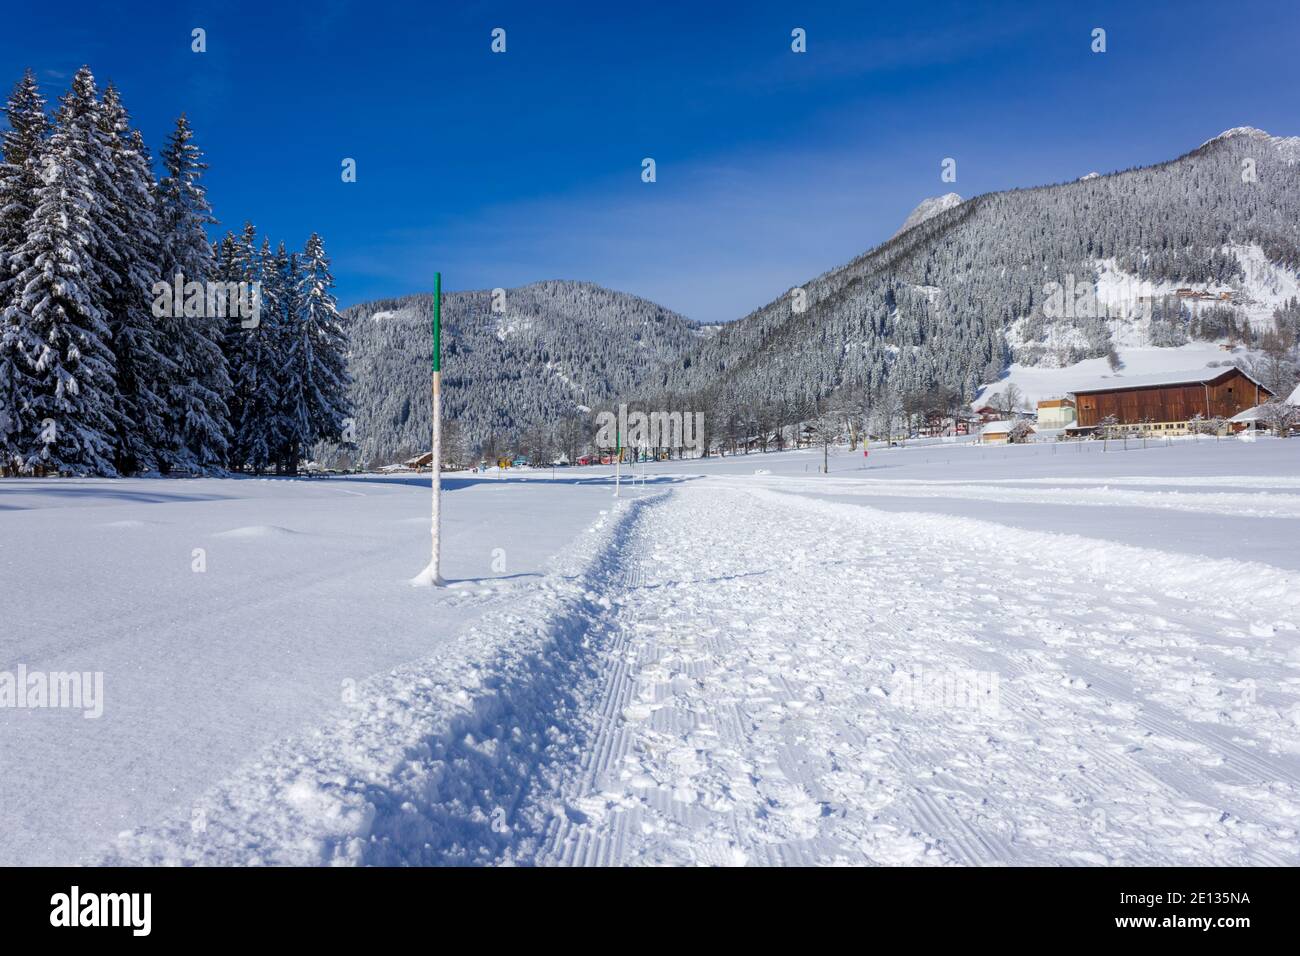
1200, 376
1295, 397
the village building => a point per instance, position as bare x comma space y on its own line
1252, 419
1166, 403
1256, 419
999, 432
1056, 413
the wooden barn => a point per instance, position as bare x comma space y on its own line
1166, 403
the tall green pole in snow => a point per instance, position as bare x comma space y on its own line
435, 576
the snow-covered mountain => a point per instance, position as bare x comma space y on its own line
1287, 147
552, 350
1203, 248
928, 209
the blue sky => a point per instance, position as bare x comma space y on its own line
501, 169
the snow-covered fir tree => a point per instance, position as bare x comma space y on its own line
70, 428
257, 373
131, 260
280, 303
237, 262
197, 388
316, 373
19, 181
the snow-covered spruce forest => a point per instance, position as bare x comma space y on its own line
558, 350
93, 381
918, 323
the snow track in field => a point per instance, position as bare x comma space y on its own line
742, 675
1245, 504
765, 702
434, 758
1172, 481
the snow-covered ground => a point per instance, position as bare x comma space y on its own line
941, 654
304, 594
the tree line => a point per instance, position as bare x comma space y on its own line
98, 374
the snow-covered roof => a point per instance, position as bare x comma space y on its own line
1294, 399
996, 428
1199, 376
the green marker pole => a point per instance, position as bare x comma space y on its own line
435, 565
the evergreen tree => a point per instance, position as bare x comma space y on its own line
280, 300
198, 384
140, 414
61, 295
258, 375
317, 380
19, 181
237, 263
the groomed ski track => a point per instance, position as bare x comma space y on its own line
739, 674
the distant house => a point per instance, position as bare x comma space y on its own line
1254, 418
422, 461
963, 423
1202, 294
999, 432
1056, 413
1167, 402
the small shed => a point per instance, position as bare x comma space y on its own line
999, 432
1249, 420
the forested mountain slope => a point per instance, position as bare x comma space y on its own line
554, 349
934, 305
941, 308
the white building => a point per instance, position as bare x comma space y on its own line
1056, 413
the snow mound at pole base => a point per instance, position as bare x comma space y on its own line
426, 578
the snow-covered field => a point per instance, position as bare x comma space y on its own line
944, 654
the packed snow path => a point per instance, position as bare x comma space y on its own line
741, 675
793, 682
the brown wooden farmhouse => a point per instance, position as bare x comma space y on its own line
1167, 402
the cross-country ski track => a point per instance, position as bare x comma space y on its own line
728, 670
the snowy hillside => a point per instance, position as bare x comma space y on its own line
1205, 244
541, 354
